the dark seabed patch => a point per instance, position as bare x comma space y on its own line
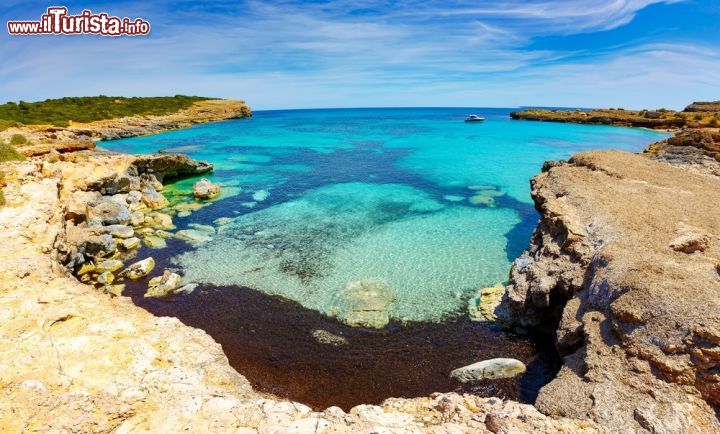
270, 341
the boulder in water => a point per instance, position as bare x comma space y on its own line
110, 265
164, 285
204, 189
493, 369
327, 338
139, 269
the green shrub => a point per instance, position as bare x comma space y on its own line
9, 153
714, 122
698, 117
18, 139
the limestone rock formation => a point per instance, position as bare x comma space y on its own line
638, 307
139, 269
164, 285
205, 189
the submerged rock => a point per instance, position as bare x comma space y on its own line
325, 337
193, 236
155, 242
482, 307
164, 285
203, 228
188, 207
109, 265
204, 189
222, 221
493, 369
139, 269
260, 195
368, 303
163, 221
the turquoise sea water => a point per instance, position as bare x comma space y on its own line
430, 206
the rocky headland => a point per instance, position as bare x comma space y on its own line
625, 267
44, 139
696, 115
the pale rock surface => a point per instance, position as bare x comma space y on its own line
492, 369
164, 285
626, 258
204, 189
139, 269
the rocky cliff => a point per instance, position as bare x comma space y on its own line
626, 262
78, 359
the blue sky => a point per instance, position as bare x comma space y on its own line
367, 53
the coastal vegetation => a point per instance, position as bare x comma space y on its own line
9, 153
61, 112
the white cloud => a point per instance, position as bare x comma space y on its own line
367, 53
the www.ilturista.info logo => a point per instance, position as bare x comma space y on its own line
57, 22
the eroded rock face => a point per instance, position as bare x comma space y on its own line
637, 299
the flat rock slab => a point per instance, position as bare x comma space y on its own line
493, 369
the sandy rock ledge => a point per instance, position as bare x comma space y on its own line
626, 259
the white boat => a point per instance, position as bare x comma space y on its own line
474, 118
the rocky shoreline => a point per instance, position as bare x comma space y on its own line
83, 358
625, 260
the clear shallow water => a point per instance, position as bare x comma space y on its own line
433, 207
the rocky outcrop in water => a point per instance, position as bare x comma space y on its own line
625, 260
205, 189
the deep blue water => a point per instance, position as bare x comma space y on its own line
414, 200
